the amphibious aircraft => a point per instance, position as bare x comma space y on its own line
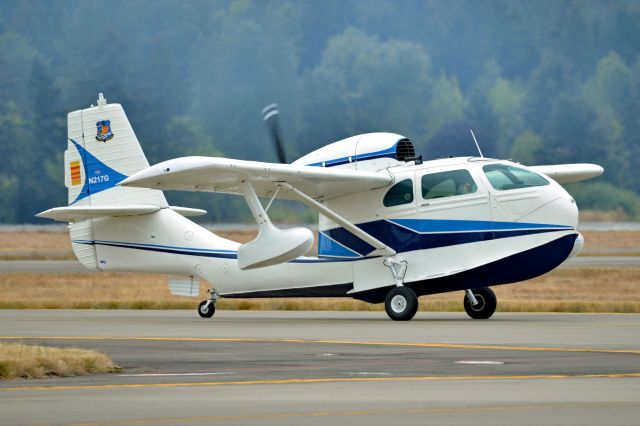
391, 226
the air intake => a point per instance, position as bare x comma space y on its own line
405, 151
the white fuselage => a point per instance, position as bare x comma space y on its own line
439, 236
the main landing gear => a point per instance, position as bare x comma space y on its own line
207, 308
480, 303
401, 304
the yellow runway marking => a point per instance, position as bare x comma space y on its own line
334, 342
321, 380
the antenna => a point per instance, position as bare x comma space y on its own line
476, 141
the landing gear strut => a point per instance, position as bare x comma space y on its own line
485, 303
207, 308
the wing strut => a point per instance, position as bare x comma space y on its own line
381, 248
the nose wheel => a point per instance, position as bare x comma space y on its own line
485, 305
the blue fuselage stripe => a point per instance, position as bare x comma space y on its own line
386, 153
222, 254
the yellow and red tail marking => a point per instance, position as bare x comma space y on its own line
74, 167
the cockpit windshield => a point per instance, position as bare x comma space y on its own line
504, 177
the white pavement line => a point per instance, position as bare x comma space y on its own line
480, 362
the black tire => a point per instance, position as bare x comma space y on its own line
487, 303
208, 311
401, 304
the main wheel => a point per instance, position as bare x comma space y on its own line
486, 306
206, 311
401, 304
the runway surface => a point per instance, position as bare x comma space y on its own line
350, 368
69, 266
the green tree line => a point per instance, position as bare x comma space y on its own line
539, 82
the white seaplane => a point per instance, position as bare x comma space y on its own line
391, 227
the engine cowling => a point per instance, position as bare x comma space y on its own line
370, 151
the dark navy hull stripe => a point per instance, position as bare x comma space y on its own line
404, 235
518, 267
512, 269
331, 290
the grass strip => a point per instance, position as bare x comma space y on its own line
30, 361
563, 290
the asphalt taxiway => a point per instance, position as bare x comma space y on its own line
320, 367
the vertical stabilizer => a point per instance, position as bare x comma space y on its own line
103, 150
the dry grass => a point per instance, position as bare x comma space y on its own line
563, 290
27, 361
613, 240
35, 245
603, 216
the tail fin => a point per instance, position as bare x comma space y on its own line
102, 151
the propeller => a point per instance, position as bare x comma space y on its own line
270, 116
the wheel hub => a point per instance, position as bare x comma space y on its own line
480, 306
398, 304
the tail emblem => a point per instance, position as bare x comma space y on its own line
104, 131
74, 168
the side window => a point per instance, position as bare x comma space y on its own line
400, 193
447, 184
504, 177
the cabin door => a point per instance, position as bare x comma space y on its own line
453, 207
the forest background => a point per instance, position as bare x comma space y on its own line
540, 82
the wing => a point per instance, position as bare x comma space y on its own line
212, 174
568, 173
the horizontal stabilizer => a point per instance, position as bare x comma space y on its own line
212, 174
569, 173
77, 213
